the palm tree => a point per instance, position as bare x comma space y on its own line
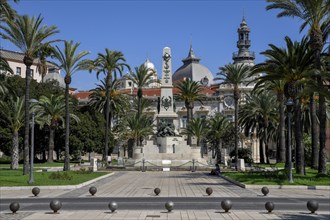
50, 111
29, 35
260, 111
70, 61
141, 78
235, 75
219, 127
12, 113
291, 65
198, 128
277, 86
314, 14
4, 66
6, 11
189, 92
111, 63
42, 54
119, 102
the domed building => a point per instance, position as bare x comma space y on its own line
154, 80
192, 69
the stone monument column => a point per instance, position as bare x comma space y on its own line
166, 111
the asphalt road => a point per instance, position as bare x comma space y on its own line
158, 203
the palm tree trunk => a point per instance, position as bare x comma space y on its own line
262, 151
107, 117
281, 148
51, 145
236, 131
189, 116
218, 152
314, 132
14, 153
67, 125
28, 62
298, 138
266, 144
323, 127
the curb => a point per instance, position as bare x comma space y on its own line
275, 186
57, 187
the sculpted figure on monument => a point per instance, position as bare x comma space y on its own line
166, 129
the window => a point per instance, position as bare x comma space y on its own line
183, 122
32, 73
18, 71
129, 84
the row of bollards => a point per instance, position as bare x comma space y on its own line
93, 190
226, 205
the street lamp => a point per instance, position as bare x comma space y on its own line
31, 179
289, 105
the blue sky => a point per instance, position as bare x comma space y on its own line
141, 29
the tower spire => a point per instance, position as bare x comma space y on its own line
243, 55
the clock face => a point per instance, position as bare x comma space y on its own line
228, 101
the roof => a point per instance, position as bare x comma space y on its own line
17, 57
193, 70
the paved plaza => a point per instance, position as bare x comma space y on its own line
174, 184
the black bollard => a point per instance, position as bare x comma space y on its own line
209, 190
14, 207
265, 190
226, 205
92, 190
312, 206
157, 191
169, 206
269, 206
113, 206
55, 205
35, 191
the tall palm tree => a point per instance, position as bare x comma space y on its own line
219, 127
111, 63
235, 75
119, 102
50, 111
12, 112
315, 15
189, 92
70, 61
29, 35
6, 11
277, 86
198, 128
141, 77
260, 108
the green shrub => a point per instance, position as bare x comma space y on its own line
60, 176
243, 153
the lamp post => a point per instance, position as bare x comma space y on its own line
31, 179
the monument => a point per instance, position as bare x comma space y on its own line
168, 148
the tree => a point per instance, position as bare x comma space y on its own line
198, 128
277, 86
293, 66
42, 54
50, 112
12, 113
315, 15
260, 113
4, 66
6, 11
219, 128
234, 75
141, 78
189, 92
111, 63
29, 35
70, 61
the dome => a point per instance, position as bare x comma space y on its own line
149, 65
193, 70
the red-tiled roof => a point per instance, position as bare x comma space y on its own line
82, 95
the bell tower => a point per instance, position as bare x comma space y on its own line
243, 55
